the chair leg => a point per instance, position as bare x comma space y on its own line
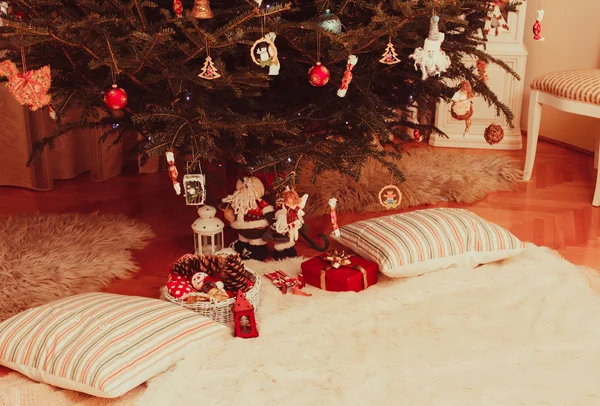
533, 130
596, 201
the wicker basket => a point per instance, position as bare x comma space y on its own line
220, 311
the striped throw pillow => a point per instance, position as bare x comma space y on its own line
423, 241
101, 344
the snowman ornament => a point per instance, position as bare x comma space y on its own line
264, 53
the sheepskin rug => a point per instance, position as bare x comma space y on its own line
430, 176
44, 257
525, 331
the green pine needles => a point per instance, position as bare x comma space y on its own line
246, 116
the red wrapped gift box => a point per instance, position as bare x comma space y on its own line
339, 272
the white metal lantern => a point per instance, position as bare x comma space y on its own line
208, 232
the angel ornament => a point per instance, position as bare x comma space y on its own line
431, 59
289, 219
264, 53
462, 105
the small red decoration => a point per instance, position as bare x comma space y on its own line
115, 98
318, 75
417, 135
283, 282
244, 318
537, 26
177, 8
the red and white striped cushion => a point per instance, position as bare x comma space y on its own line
423, 241
578, 85
101, 344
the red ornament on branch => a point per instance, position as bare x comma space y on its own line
178, 8
115, 98
318, 75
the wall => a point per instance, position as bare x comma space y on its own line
572, 32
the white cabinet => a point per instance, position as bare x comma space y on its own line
509, 47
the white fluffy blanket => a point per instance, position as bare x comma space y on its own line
525, 331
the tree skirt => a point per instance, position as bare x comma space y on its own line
522, 331
44, 257
430, 175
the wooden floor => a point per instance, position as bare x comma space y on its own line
554, 210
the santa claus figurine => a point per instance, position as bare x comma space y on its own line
250, 215
289, 219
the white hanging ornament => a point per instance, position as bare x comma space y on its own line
209, 70
352, 60
537, 26
431, 59
264, 53
330, 22
390, 57
3, 11
495, 20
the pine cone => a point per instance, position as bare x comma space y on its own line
210, 264
186, 266
234, 274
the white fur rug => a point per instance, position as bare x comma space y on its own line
525, 331
522, 332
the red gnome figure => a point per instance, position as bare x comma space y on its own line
250, 215
352, 60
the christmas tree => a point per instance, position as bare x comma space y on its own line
222, 80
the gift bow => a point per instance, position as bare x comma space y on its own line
337, 259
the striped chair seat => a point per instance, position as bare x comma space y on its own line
577, 85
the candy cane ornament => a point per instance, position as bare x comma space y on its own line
352, 60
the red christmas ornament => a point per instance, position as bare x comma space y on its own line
318, 75
115, 98
178, 8
417, 135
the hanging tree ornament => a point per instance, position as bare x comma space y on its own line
29, 88
493, 134
318, 75
3, 11
390, 56
173, 173
352, 60
537, 26
431, 59
178, 8
264, 53
115, 98
202, 10
462, 105
390, 197
209, 70
494, 21
330, 22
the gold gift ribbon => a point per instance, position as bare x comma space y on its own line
337, 260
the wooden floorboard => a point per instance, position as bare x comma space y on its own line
553, 210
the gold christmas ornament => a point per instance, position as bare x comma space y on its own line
209, 70
202, 10
390, 56
494, 134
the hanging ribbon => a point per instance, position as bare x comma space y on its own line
337, 260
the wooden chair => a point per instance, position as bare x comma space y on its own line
575, 92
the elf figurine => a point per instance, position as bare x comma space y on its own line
289, 219
250, 215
